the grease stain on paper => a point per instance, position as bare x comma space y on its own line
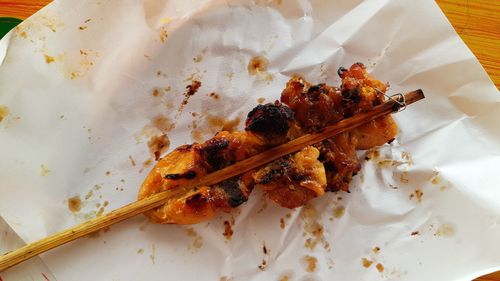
228, 231
313, 230
4, 112
44, 171
197, 242
311, 263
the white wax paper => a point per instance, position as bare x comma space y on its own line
83, 80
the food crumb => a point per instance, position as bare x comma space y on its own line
214, 96
415, 233
311, 263
366, 262
264, 249
261, 100
417, 194
44, 171
282, 223
163, 34
228, 232
75, 204
108, 173
140, 251
48, 59
376, 249
82, 27
263, 265
379, 267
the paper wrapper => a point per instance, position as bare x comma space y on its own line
87, 84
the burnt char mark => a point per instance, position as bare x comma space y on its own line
351, 95
268, 177
197, 201
298, 177
277, 169
341, 71
235, 196
187, 175
270, 120
215, 154
315, 92
185, 147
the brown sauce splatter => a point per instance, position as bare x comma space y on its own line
379, 267
311, 263
214, 96
418, 194
282, 223
228, 231
157, 92
108, 173
415, 233
158, 145
82, 27
257, 65
376, 250
403, 178
75, 204
219, 123
162, 123
4, 111
197, 135
191, 90
366, 262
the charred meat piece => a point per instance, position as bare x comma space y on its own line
290, 181
340, 161
271, 122
293, 180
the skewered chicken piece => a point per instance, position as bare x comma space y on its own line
290, 181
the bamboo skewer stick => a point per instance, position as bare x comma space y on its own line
28, 251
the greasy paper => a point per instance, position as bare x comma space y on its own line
85, 86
